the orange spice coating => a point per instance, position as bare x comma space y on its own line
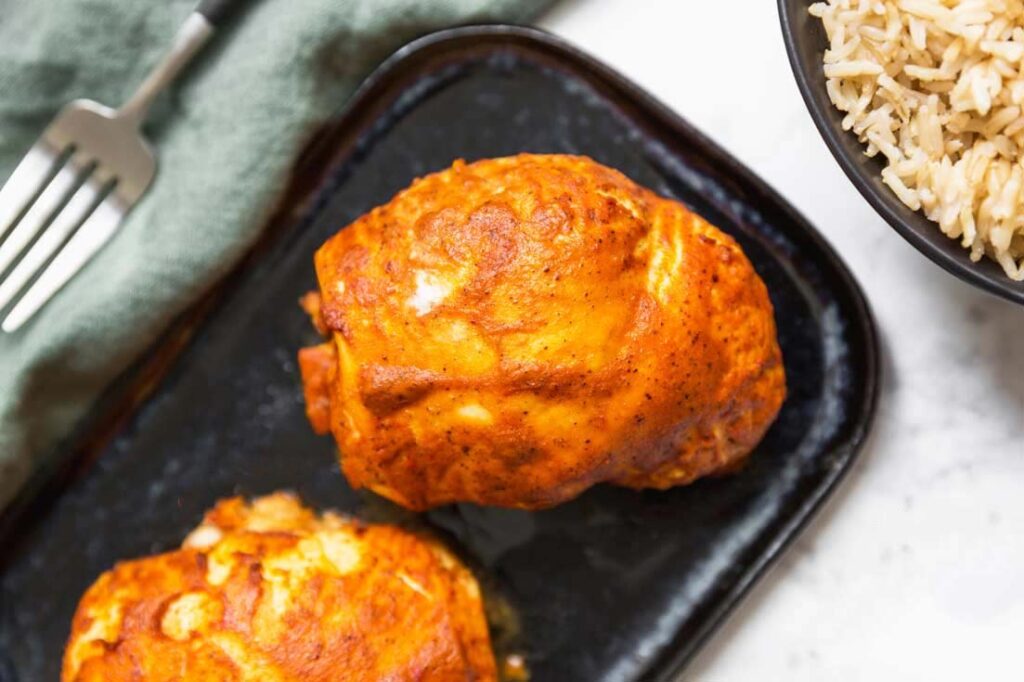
271, 592
513, 331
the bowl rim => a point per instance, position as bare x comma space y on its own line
986, 275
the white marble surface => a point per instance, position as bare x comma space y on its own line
915, 570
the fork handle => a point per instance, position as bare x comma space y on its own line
192, 36
218, 12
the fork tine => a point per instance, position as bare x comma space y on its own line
74, 213
28, 179
92, 235
40, 214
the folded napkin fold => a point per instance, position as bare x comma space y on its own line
226, 137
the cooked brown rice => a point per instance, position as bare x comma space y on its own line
937, 88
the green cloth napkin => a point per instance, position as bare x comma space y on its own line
226, 137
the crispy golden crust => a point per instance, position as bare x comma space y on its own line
271, 592
318, 365
513, 331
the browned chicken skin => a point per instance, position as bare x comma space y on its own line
271, 592
513, 331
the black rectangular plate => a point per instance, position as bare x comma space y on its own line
616, 585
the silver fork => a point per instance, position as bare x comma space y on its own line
77, 183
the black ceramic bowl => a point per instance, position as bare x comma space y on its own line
806, 43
